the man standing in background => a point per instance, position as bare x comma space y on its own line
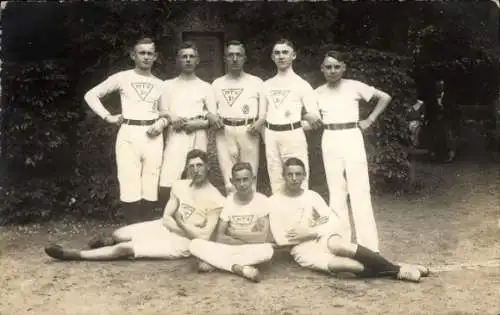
287, 96
241, 105
343, 146
187, 101
138, 149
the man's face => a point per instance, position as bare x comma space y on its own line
197, 170
283, 56
144, 55
332, 69
294, 175
188, 59
235, 58
242, 181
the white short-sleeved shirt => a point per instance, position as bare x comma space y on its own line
244, 217
139, 94
238, 98
300, 211
341, 104
285, 98
194, 203
187, 98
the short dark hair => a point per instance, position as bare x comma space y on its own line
294, 161
234, 43
196, 153
339, 55
241, 166
144, 40
187, 45
285, 41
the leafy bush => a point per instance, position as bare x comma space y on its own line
33, 113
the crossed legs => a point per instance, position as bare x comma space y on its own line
334, 254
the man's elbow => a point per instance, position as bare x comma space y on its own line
87, 96
386, 98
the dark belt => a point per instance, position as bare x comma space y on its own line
341, 126
285, 127
238, 122
134, 122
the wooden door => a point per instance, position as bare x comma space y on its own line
211, 48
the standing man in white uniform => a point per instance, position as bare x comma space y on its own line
243, 229
191, 212
186, 101
287, 95
343, 146
241, 105
300, 219
138, 152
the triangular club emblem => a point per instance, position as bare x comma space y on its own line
142, 89
278, 96
231, 95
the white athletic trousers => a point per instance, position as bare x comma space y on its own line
177, 146
235, 144
281, 145
313, 254
138, 161
224, 256
344, 150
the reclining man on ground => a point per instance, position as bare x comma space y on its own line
300, 221
191, 212
296, 220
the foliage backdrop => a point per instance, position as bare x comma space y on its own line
58, 157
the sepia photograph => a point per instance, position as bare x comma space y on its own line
250, 157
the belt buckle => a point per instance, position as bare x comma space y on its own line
142, 122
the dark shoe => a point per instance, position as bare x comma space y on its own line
101, 241
58, 252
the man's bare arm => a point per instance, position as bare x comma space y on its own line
222, 237
259, 233
204, 232
168, 215
383, 100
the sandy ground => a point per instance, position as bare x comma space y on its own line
453, 225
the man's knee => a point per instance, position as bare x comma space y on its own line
121, 234
125, 249
196, 246
303, 260
338, 246
268, 252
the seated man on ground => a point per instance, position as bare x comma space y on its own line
296, 221
242, 231
191, 212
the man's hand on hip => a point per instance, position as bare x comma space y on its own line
114, 119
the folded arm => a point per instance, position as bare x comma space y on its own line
204, 232
168, 215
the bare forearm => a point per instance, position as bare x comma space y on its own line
382, 104
172, 226
226, 239
250, 237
